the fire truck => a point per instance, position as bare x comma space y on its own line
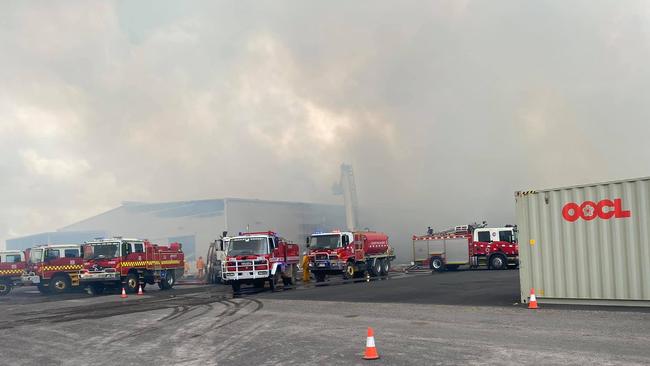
259, 257
53, 268
130, 263
12, 265
474, 245
349, 253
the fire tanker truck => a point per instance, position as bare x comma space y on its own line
257, 258
53, 268
475, 245
12, 264
349, 253
130, 263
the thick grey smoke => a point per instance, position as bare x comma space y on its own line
444, 108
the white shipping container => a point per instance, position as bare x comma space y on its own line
586, 244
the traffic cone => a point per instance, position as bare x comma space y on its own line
532, 303
140, 290
371, 350
124, 295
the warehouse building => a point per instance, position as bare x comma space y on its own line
197, 223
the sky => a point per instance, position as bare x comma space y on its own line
444, 108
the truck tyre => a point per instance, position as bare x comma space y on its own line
60, 284
5, 288
236, 287
437, 264
320, 276
385, 267
498, 262
375, 269
131, 284
96, 289
168, 282
274, 281
350, 271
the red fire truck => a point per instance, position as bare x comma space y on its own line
349, 253
53, 268
472, 245
255, 258
130, 263
12, 265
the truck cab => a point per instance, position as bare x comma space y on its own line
255, 258
12, 264
489, 235
329, 252
53, 268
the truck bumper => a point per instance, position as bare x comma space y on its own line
245, 276
30, 280
326, 266
99, 277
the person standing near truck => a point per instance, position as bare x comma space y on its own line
305, 268
200, 267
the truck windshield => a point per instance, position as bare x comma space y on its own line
248, 246
326, 241
100, 251
35, 255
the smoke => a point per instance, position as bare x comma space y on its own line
444, 108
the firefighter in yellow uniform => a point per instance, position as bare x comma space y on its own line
305, 268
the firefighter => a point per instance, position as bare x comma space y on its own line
200, 266
305, 267
429, 231
187, 269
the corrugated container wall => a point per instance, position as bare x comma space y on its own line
586, 244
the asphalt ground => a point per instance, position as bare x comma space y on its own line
466, 317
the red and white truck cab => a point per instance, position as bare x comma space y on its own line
352, 254
259, 257
12, 265
53, 268
130, 263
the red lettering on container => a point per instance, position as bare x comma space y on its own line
589, 210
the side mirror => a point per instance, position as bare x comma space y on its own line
307, 241
224, 234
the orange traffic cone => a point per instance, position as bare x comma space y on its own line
124, 296
140, 290
532, 304
371, 350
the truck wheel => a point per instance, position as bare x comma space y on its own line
437, 264
274, 281
96, 289
376, 268
5, 288
385, 267
320, 276
60, 284
350, 271
498, 262
131, 285
168, 282
236, 287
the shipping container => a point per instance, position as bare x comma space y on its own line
586, 244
